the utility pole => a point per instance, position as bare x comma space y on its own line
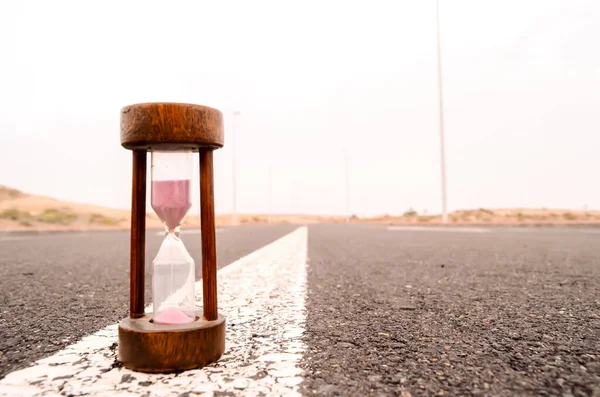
442, 145
269, 191
347, 185
233, 169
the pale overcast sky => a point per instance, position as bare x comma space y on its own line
311, 78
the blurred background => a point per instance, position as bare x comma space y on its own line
333, 107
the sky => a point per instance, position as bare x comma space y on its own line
316, 83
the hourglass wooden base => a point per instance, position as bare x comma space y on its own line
148, 347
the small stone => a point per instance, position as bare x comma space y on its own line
63, 377
405, 394
329, 390
397, 378
374, 378
407, 306
127, 378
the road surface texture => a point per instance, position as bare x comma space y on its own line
56, 288
346, 310
504, 313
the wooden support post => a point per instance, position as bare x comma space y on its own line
209, 253
138, 235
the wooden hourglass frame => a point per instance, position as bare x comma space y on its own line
144, 345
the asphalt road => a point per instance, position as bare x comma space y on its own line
56, 288
505, 313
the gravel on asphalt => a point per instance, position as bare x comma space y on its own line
56, 288
437, 313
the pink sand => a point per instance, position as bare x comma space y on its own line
172, 316
171, 201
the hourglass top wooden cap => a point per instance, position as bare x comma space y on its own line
168, 126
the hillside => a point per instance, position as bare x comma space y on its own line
19, 210
520, 216
23, 211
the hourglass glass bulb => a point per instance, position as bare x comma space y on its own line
173, 273
171, 180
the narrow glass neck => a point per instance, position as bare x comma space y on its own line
175, 232
171, 235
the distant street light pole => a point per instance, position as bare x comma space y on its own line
269, 191
347, 185
442, 146
233, 169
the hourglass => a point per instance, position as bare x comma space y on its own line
174, 336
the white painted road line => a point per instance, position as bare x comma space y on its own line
439, 229
549, 230
263, 297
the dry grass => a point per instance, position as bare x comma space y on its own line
20, 210
498, 216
